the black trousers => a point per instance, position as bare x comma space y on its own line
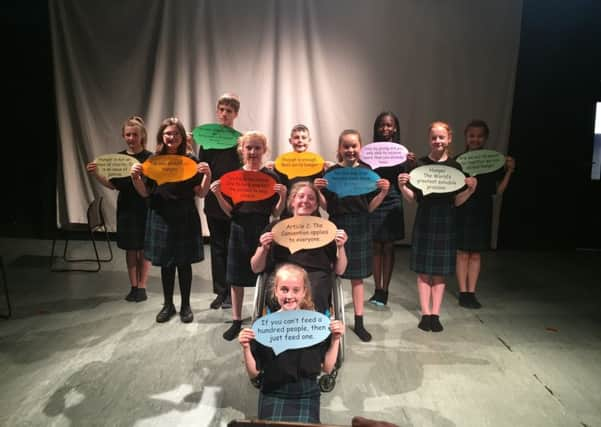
220, 235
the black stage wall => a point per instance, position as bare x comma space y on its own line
550, 203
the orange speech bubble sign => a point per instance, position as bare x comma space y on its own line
304, 232
247, 186
295, 164
169, 168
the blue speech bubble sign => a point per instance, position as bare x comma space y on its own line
352, 181
286, 330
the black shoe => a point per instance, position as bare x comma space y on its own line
435, 323
216, 303
166, 313
185, 314
425, 324
374, 297
378, 297
233, 331
141, 295
464, 299
131, 297
227, 302
384, 296
474, 303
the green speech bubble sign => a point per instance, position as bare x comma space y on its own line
477, 162
215, 136
114, 165
437, 179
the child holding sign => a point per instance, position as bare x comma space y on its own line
173, 239
248, 219
220, 161
289, 389
387, 221
320, 262
131, 209
433, 245
474, 217
351, 213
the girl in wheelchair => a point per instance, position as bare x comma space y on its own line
322, 264
289, 390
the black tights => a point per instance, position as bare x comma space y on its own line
184, 275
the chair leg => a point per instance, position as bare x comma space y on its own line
5, 283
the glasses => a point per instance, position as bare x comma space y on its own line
171, 134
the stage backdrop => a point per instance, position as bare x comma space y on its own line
328, 64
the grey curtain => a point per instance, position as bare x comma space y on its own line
328, 64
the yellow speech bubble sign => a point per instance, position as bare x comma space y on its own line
295, 164
114, 165
437, 179
169, 168
304, 232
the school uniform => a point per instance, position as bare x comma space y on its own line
173, 226
248, 221
474, 217
318, 262
351, 213
220, 162
289, 388
433, 248
283, 178
387, 220
131, 209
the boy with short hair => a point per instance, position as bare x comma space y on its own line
220, 162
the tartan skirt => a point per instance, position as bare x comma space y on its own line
474, 224
245, 231
359, 246
131, 224
173, 235
433, 249
298, 402
387, 221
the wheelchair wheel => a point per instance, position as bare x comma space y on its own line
338, 306
327, 382
259, 298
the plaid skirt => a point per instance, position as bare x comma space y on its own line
173, 235
245, 231
131, 224
433, 249
297, 402
359, 246
387, 222
474, 224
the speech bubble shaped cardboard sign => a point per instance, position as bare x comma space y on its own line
295, 164
437, 179
304, 232
169, 168
477, 162
114, 165
383, 154
247, 186
215, 136
285, 330
351, 181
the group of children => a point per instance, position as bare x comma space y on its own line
159, 224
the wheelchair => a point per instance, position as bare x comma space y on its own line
264, 304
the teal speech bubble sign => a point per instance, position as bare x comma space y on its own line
383, 154
215, 136
352, 181
477, 162
437, 179
285, 330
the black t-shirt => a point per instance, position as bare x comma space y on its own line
263, 207
350, 204
220, 162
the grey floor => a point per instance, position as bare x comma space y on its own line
75, 353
